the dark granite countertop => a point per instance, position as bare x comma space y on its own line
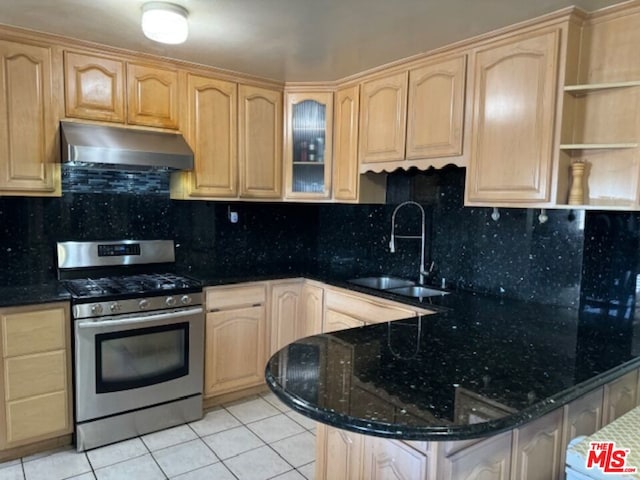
481, 366
421, 378
32, 294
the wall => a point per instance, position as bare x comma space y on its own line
268, 236
515, 256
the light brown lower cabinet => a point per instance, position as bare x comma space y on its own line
582, 416
339, 454
35, 378
537, 448
533, 451
285, 314
489, 459
311, 309
620, 396
392, 459
235, 338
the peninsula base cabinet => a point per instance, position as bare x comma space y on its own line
35, 378
533, 451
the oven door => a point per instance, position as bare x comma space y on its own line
127, 362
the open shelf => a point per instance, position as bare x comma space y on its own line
594, 87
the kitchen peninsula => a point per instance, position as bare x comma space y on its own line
487, 388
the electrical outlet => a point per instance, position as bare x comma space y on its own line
233, 217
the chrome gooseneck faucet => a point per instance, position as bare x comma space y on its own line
392, 242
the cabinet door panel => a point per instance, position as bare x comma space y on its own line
234, 349
487, 460
383, 119
35, 417
260, 142
308, 144
582, 417
25, 332
620, 396
390, 460
537, 448
28, 123
513, 119
311, 307
284, 315
94, 87
212, 134
35, 374
436, 109
345, 171
153, 96
339, 454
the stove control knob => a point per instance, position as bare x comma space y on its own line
186, 300
114, 307
170, 301
143, 304
96, 309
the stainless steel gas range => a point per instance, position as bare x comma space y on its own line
138, 339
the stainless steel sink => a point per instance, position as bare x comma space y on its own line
417, 291
382, 282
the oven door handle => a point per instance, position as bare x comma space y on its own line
132, 320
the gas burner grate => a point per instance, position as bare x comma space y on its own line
129, 284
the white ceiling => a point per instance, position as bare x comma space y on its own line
292, 40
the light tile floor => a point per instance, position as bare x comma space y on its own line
255, 439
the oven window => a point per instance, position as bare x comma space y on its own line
141, 357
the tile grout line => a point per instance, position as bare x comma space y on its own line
278, 412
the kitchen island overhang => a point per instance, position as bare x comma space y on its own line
461, 374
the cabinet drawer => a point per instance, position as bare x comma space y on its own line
220, 298
367, 310
36, 417
35, 375
25, 332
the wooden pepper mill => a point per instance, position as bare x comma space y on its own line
576, 193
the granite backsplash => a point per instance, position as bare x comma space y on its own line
516, 256
572, 256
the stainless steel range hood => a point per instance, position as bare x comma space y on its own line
100, 146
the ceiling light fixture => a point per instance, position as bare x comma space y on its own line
165, 22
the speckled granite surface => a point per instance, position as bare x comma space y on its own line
32, 294
496, 362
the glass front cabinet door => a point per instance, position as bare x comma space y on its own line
308, 144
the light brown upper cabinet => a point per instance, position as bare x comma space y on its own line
210, 130
153, 96
260, 142
110, 89
514, 104
345, 169
29, 147
94, 87
435, 112
383, 119
308, 144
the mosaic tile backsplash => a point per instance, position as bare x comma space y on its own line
91, 180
